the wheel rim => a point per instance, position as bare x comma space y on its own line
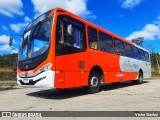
94, 81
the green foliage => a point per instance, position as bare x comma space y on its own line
5, 76
9, 61
154, 58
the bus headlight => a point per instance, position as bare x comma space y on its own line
45, 67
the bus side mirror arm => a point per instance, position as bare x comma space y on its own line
11, 41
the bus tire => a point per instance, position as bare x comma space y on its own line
140, 78
94, 82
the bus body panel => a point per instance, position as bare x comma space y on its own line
72, 70
146, 68
45, 79
130, 67
69, 64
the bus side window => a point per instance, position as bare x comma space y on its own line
135, 53
142, 55
147, 56
129, 51
119, 47
69, 43
92, 38
106, 43
76, 40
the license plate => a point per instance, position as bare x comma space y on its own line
26, 80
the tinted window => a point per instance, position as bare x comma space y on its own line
142, 55
147, 56
128, 47
135, 53
129, 51
105, 38
106, 43
119, 47
70, 43
92, 38
118, 43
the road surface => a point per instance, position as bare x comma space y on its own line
122, 97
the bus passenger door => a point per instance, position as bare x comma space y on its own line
70, 47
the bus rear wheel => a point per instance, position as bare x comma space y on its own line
94, 82
140, 78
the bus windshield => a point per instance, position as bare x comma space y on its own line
35, 40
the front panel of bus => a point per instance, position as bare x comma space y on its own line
36, 57
51, 51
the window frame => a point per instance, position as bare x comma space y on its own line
125, 44
128, 51
100, 32
120, 41
62, 17
111, 44
115, 47
138, 58
140, 50
148, 56
89, 27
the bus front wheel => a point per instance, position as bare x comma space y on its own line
94, 82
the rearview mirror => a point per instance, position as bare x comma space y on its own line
10, 40
69, 29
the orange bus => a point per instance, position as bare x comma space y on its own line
61, 50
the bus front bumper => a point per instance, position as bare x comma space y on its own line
44, 79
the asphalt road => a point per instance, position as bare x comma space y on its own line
122, 97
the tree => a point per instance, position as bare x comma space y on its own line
138, 41
9, 61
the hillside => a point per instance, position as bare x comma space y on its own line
8, 62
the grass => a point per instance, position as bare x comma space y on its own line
155, 77
8, 83
7, 74
155, 74
6, 70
